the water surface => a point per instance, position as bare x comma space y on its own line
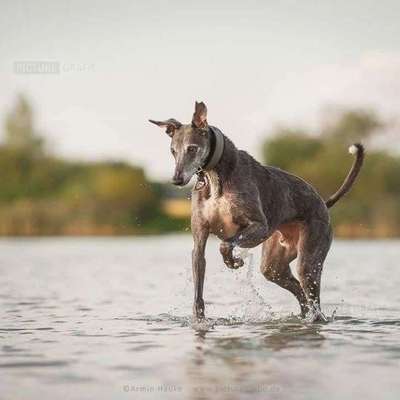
110, 319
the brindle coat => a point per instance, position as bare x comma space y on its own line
246, 204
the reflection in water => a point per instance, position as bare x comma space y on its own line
226, 365
293, 335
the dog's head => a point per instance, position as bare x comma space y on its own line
190, 144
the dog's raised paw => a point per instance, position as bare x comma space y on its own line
236, 263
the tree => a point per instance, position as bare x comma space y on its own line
289, 146
20, 134
353, 126
372, 208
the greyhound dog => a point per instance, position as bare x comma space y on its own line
245, 204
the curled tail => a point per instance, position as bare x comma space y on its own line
358, 150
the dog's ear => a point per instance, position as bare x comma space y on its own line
200, 115
171, 125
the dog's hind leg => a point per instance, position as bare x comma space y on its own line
314, 243
275, 267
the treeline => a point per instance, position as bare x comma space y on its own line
372, 208
41, 194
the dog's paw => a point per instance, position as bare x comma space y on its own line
231, 260
234, 263
238, 262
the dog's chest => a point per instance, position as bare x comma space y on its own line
219, 213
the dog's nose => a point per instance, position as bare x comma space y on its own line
177, 180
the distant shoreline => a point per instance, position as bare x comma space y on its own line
344, 232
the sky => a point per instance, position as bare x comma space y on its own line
256, 64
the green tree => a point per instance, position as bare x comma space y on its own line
353, 126
43, 194
20, 134
373, 205
290, 146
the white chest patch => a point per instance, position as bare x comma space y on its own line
217, 210
213, 181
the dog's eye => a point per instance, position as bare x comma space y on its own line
192, 149
173, 151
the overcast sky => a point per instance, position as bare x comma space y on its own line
255, 63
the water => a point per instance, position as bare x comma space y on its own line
110, 319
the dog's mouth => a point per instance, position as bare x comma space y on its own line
181, 179
178, 183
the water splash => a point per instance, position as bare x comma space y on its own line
253, 307
316, 315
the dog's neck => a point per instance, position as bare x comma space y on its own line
220, 175
227, 163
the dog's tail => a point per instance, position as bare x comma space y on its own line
358, 150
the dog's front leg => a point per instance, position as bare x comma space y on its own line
251, 236
226, 250
200, 235
254, 234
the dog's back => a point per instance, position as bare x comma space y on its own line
284, 196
